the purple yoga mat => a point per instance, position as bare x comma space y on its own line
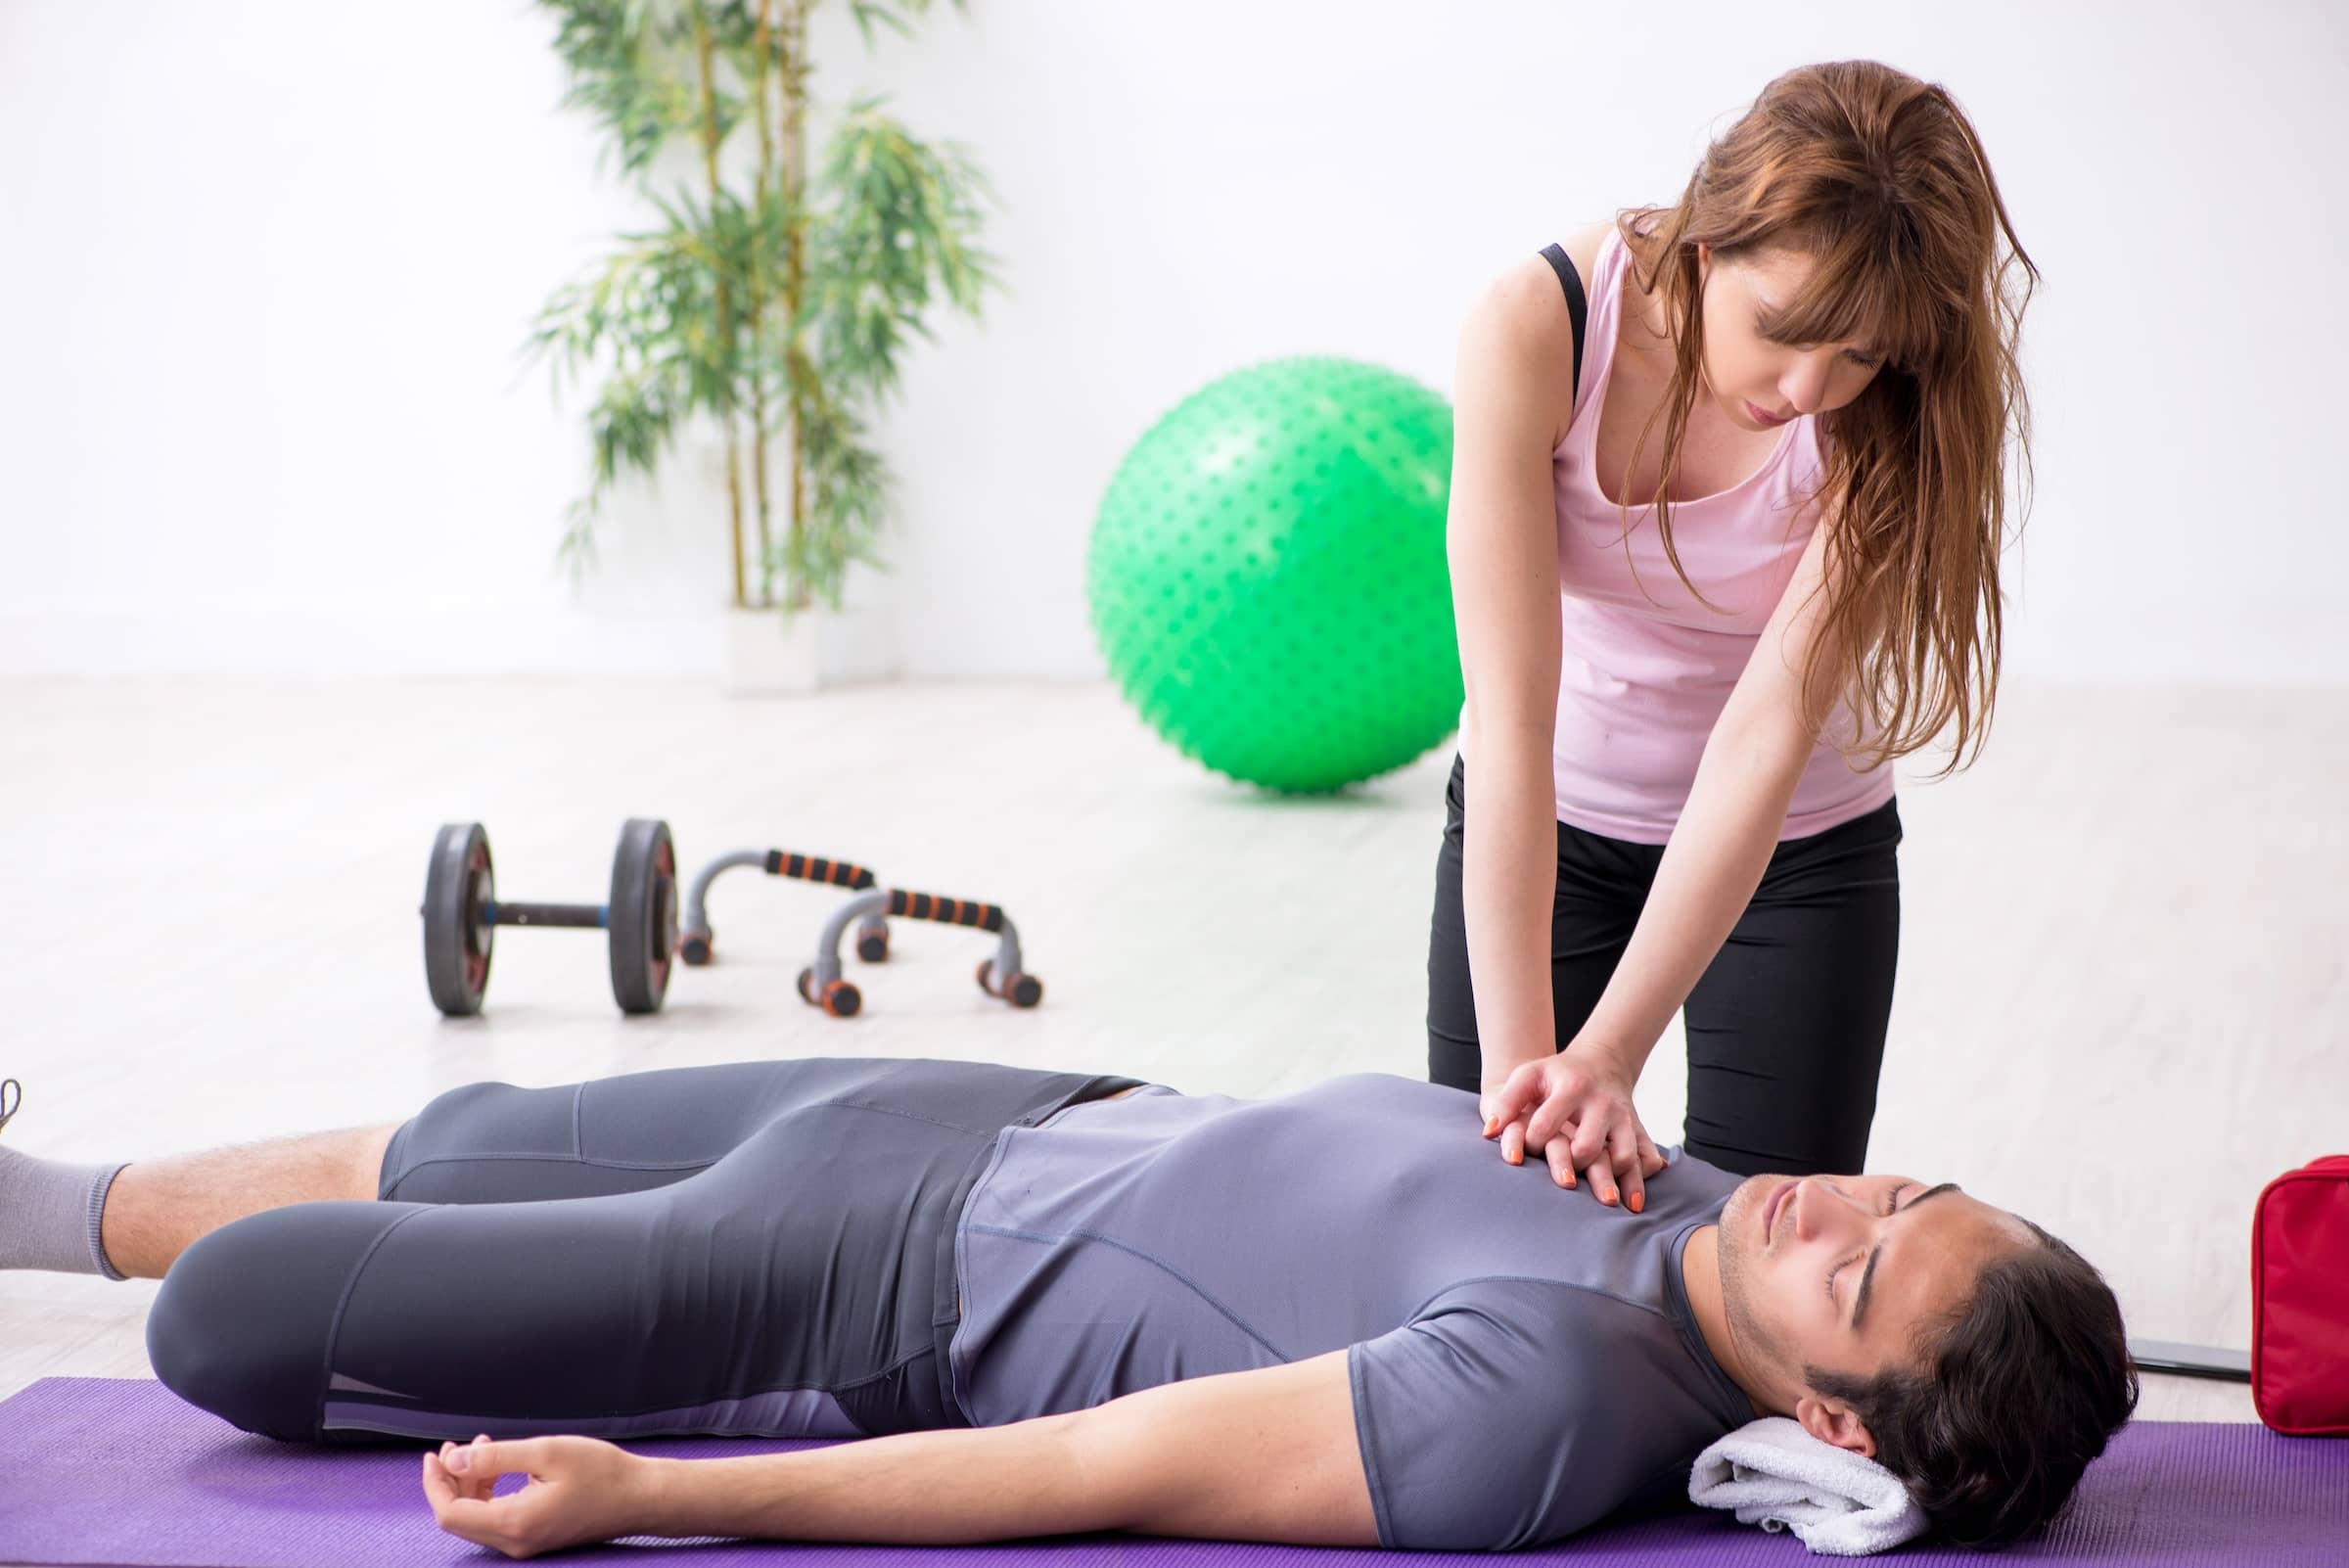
119, 1471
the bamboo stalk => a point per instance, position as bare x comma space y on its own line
795, 157
767, 159
725, 319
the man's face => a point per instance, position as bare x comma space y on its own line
1796, 1281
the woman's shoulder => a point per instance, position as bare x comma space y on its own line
1525, 303
1583, 246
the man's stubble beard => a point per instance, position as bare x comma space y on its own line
1760, 1349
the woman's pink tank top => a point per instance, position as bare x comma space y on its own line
1648, 668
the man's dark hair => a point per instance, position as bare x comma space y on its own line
2018, 1387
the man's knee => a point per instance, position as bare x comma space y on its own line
243, 1322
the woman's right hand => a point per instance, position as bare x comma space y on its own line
1574, 1109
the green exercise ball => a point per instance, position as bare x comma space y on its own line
1267, 577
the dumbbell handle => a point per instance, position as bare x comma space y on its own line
591, 916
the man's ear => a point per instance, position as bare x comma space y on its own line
1833, 1421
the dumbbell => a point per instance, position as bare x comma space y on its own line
462, 913
820, 985
700, 941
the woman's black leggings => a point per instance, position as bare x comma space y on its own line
1785, 1028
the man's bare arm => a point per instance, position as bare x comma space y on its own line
1263, 1456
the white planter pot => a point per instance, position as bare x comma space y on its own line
768, 654
765, 655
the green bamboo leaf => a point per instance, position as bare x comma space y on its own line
886, 227
868, 12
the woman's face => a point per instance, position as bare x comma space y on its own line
1748, 376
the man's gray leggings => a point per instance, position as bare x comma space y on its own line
747, 1248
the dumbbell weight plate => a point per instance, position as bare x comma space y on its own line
457, 887
643, 915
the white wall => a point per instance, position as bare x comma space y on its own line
267, 267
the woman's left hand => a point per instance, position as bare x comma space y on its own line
1574, 1110
580, 1489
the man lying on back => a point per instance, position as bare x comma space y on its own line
1067, 1304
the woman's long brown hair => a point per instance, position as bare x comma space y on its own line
1881, 179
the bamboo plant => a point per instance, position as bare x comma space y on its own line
775, 306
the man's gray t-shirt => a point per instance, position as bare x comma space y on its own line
1524, 1359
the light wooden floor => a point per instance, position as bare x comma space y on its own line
2118, 1009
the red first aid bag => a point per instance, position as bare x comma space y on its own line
2300, 1299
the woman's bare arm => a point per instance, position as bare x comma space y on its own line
1736, 809
1501, 539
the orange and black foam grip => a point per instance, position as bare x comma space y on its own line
946, 911
816, 869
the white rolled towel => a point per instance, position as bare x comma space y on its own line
1780, 1477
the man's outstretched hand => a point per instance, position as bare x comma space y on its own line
582, 1488
1575, 1111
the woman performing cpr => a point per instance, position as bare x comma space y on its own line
1675, 785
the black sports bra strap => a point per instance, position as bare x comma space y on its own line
1563, 266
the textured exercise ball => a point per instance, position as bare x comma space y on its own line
1267, 577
